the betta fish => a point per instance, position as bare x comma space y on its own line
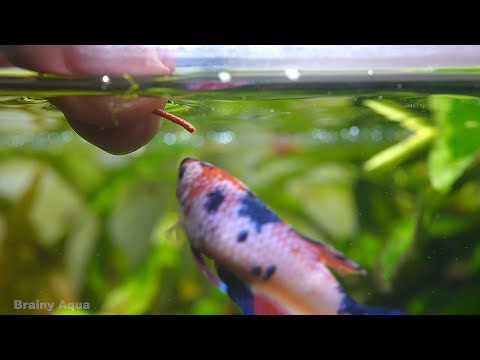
263, 264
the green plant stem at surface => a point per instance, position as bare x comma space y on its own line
397, 153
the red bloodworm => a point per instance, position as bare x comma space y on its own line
186, 125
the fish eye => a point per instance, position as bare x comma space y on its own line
181, 172
183, 167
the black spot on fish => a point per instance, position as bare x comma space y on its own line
242, 236
237, 290
259, 214
256, 271
269, 271
214, 199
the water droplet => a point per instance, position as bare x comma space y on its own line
292, 74
354, 131
184, 136
169, 138
67, 136
323, 135
225, 137
224, 76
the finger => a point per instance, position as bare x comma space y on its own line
93, 59
114, 124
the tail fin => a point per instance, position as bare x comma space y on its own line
351, 307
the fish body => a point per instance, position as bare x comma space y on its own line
264, 265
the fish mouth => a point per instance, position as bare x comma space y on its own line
183, 166
187, 160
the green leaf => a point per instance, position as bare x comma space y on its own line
394, 112
365, 248
445, 225
457, 143
463, 301
394, 155
396, 250
137, 292
474, 263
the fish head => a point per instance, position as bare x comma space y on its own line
189, 173
208, 196
198, 178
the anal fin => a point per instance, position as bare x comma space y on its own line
263, 305
205, 270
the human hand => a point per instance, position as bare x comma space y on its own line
114, 124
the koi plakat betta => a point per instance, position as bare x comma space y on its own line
262, 263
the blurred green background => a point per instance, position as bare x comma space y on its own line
390, 179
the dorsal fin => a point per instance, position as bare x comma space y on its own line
333, 258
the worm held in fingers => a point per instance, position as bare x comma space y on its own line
185, 124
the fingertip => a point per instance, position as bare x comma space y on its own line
119, 140
114, 124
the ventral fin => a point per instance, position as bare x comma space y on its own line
206, 271
333, 258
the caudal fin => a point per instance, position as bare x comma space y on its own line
351, 307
